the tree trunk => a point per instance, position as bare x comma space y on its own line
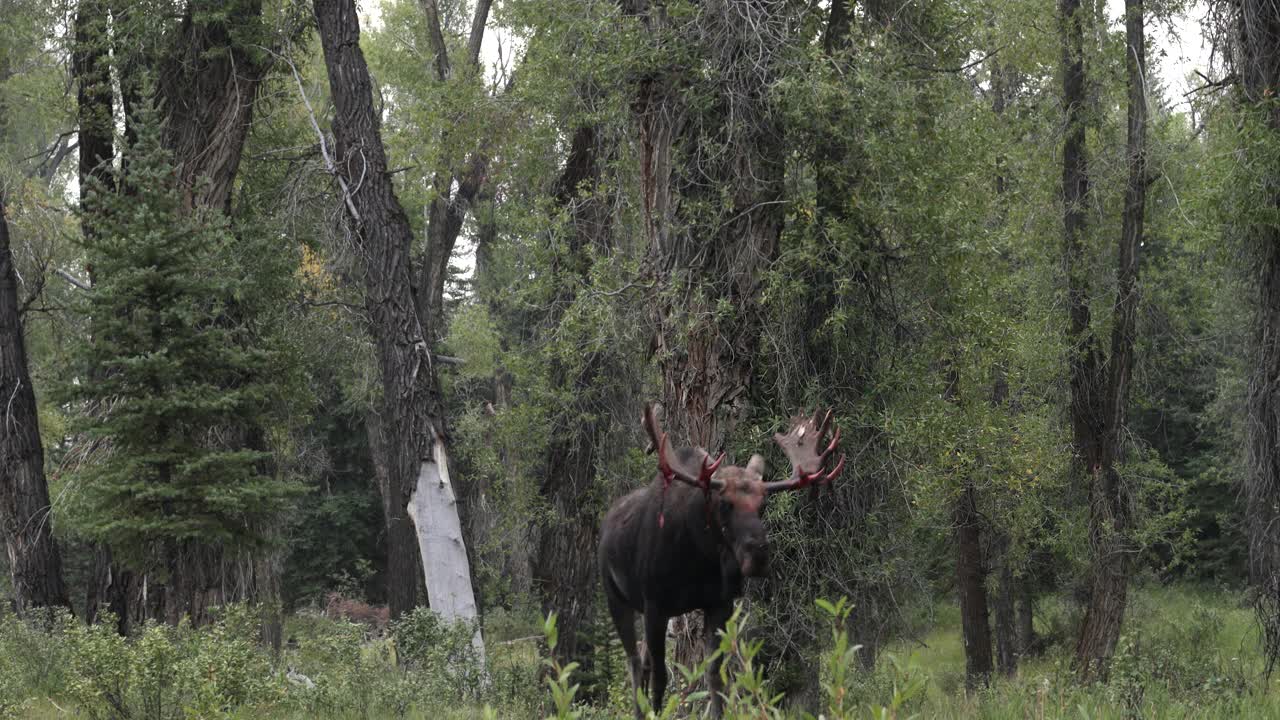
208, 82
448, 208
1028, 645
1100, 387
417, 466
1257, 46
402, 540
971, 569
712, 210
1006, 630
565, 570
26, 517
93, 95
434, 510
1262, 481
971, 584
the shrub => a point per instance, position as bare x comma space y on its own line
168, 672
442, 655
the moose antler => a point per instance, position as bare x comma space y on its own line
801, 444
679, 470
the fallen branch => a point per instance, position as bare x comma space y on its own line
72, 279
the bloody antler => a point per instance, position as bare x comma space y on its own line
801, 444
679, 471
700, 479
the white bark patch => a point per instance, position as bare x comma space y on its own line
434, 510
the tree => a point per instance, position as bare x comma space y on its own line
711, 181
26, 516
1100, 383
166, 373
90, 66
411, 409
565, 567
209, 63
437, 108
1257, 44
971, 572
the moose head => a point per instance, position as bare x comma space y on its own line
734, 496
716, 538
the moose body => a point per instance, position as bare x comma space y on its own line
668, 549
663, 571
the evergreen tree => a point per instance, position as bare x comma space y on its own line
174, 367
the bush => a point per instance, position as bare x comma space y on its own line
169, 672
442, 655
33, 658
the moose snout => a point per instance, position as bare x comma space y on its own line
753, 559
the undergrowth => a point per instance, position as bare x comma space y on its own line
1185, 653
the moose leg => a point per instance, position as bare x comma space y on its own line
624, 621
716, 619
655, 640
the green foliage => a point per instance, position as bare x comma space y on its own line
1186, 653
442, 652
168, 672
558, 679
174, 377
747, 692
221, 366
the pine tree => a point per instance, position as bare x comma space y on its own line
171, 367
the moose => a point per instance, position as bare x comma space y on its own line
666, 549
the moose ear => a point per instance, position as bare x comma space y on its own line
756, 465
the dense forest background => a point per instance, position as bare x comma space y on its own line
289, 292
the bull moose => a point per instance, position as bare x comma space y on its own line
666, 549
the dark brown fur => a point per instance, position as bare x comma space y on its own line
711, 540
695, 561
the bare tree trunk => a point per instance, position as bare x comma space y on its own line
433, 508
412, 413
1100, 387
26, 517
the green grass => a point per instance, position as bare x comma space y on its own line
1186, 652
